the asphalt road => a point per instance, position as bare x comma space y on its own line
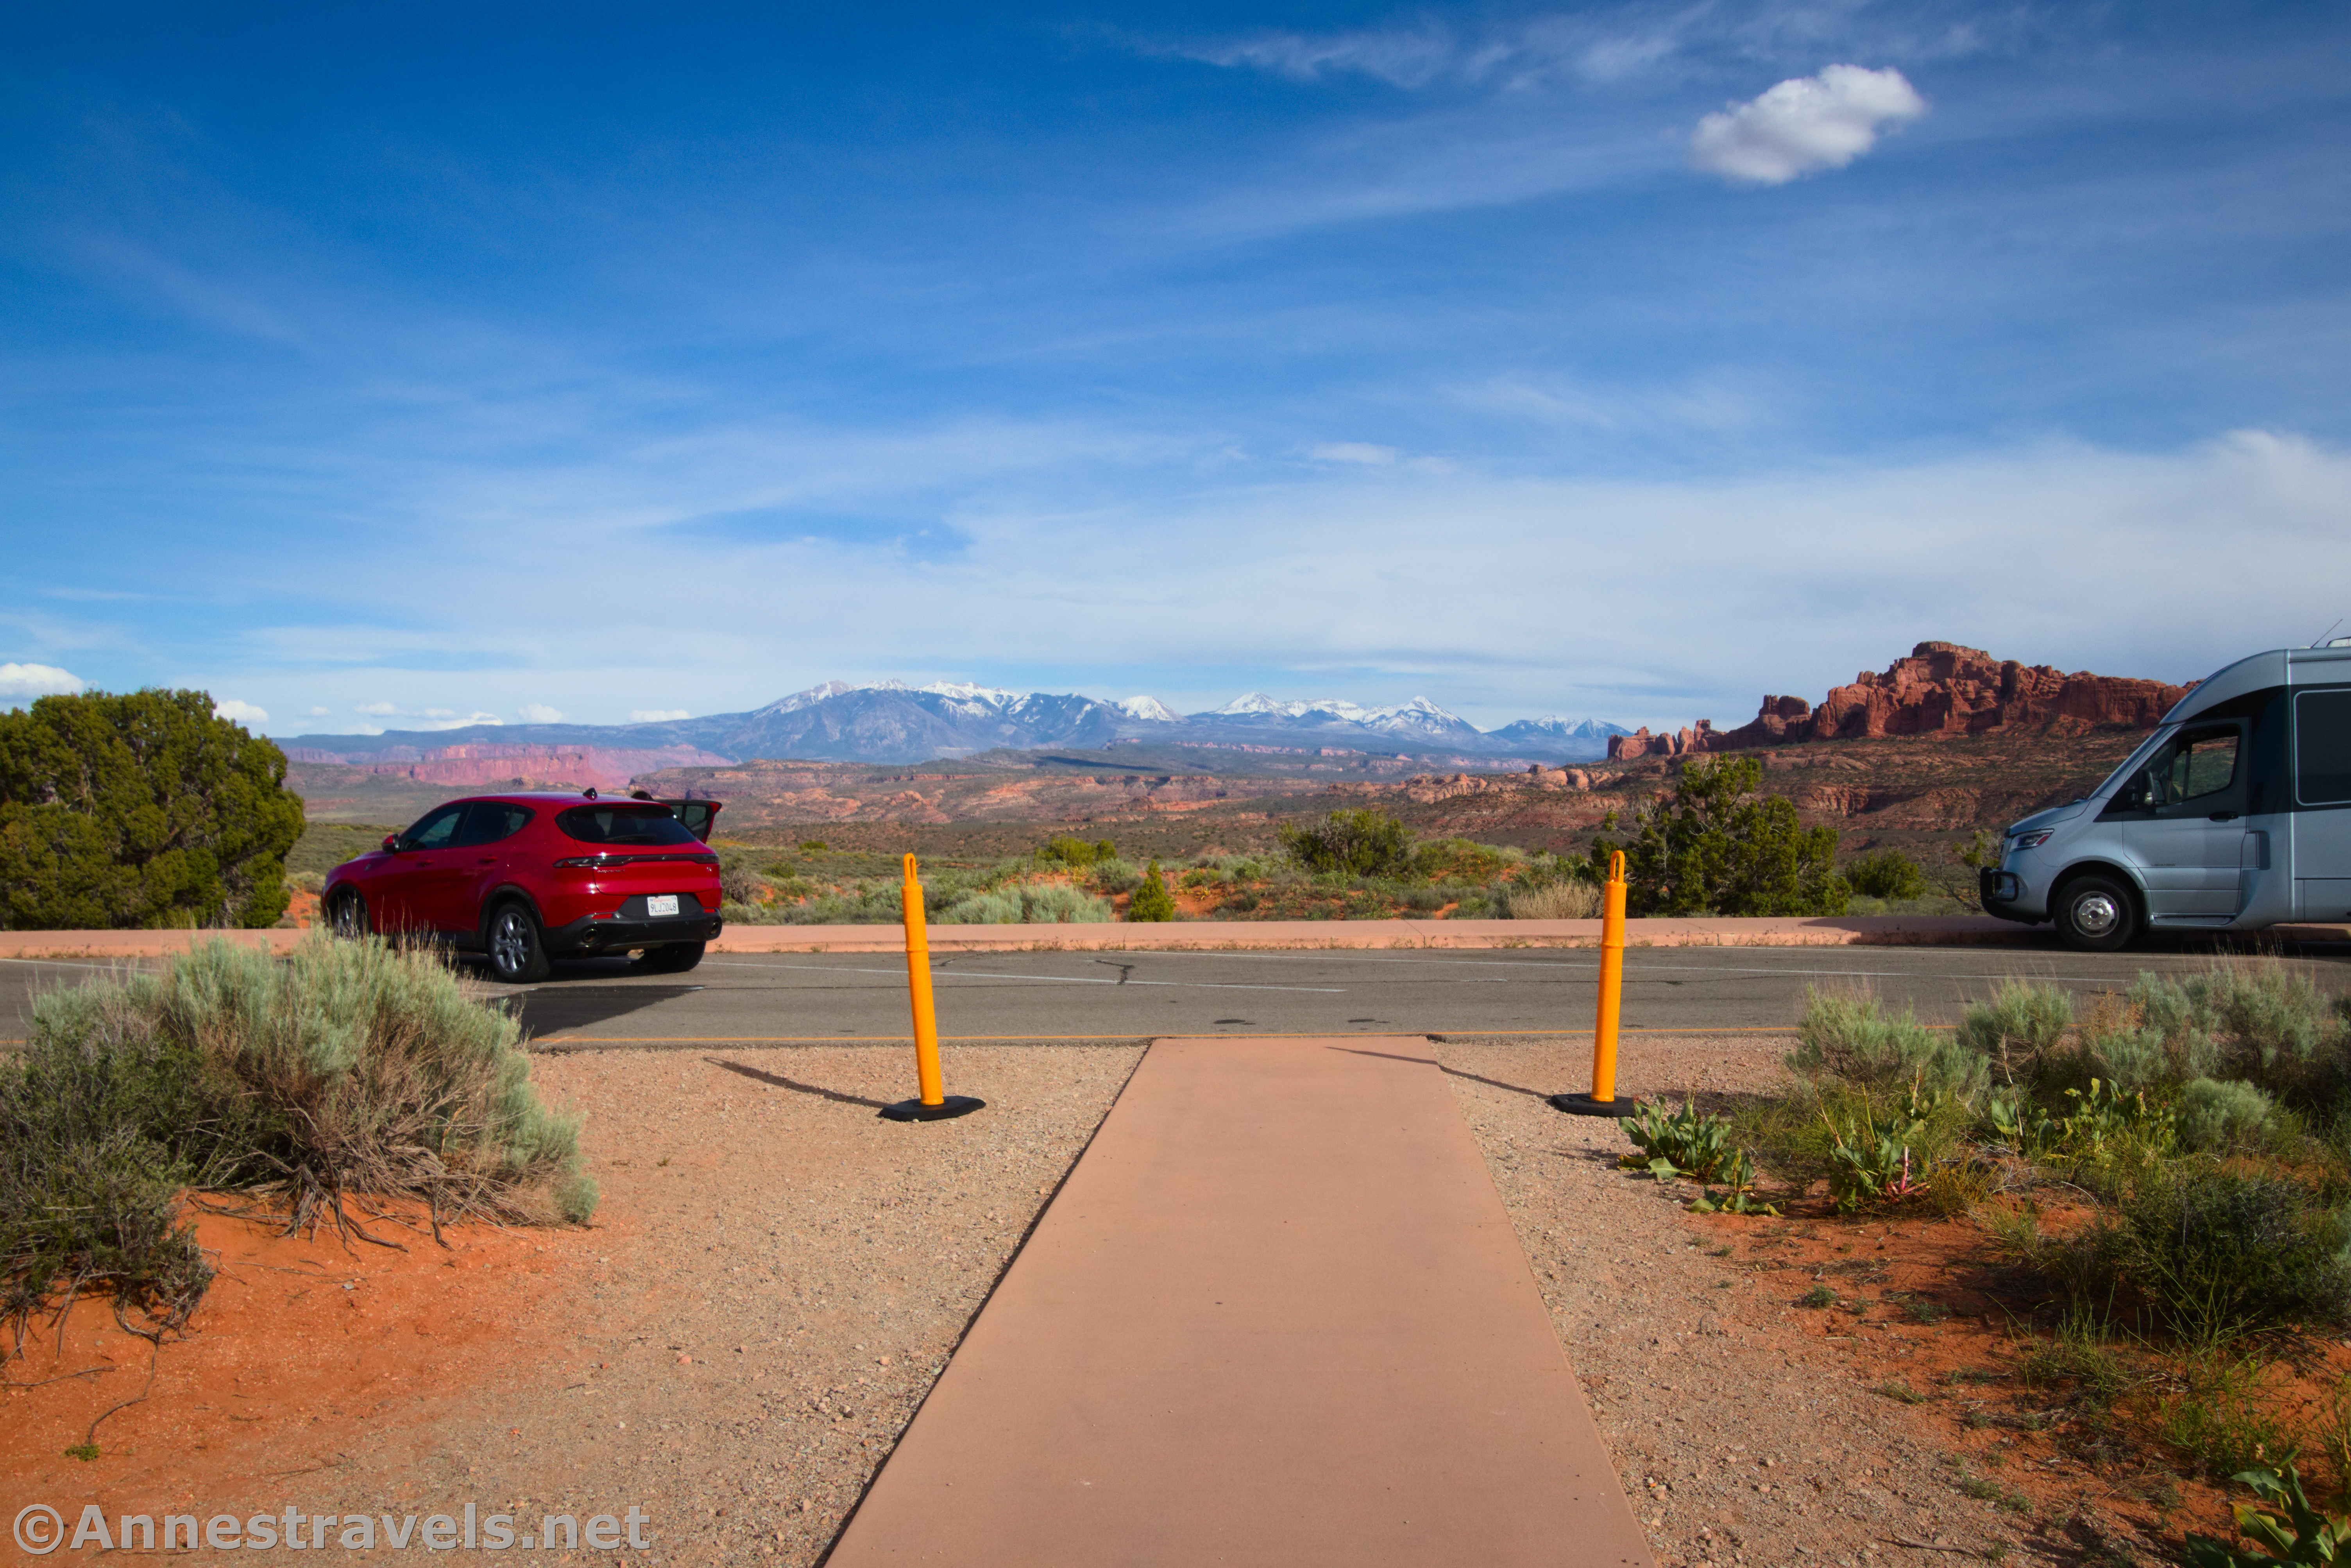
742, 999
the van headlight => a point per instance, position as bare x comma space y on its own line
2031, 841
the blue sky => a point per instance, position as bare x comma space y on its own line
373, 366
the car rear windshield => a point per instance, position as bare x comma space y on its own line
624, 825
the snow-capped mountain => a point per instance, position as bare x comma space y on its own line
893, 722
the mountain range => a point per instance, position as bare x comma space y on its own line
895, 723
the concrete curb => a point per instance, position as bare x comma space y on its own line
1229, 937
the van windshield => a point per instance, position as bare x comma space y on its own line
2135, 760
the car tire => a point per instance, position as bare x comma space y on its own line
2097, 913
675, 959
347, 916
516, 946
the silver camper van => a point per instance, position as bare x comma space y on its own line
2234, 815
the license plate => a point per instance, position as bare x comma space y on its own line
662, 903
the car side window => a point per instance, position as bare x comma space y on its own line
487, 821
2321, 748
434, 831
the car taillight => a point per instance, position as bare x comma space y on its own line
579, 862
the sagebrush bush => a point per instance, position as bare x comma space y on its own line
345, 1068
2019, 1028
2217, 1118
1848, 1035
1556, 901
1033, 904
1113, 876
2217, 1251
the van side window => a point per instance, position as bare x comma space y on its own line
2197, 762
2321, 748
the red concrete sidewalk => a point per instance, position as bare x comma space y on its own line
1276, 1316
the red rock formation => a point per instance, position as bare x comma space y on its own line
479, 765
1941, 688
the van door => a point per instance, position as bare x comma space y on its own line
2322, 798
2183, 821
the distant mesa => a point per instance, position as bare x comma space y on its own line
1942, 688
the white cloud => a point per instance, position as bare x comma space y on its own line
315, 712
540, 713
658, 715
377, 710
1804, 124
1362, 452
21, 681
237, 712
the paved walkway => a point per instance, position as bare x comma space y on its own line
1277, 1315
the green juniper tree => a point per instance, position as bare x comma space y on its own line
1718, 845
141, 810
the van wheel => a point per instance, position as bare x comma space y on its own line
2096, 913
675, 959
517, 952
347, 916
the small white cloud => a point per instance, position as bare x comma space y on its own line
315, 712
1362, 452
1804, 124
379, 710
657, 714
540, 713
19, 681
237, 712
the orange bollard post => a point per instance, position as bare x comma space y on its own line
1603, 1101
932, 1102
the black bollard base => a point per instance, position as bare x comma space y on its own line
1585, 1105
915, 1111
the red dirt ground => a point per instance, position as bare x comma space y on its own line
1890, 1273
300, 1343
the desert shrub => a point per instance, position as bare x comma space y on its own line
2287, 1529
310, 882
2256, 1020
139, 810
813, 846
2023, 1024
1076, 852
1355, 843
741, 884
1886, 873
1152, 900
2216, 1117
1043, 903
1716, 845
1849, 1036
2216, 1251
348, 1067
1459, 860
1556, 901
1113, 876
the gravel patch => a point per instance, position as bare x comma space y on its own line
1738, 1439
790, 1274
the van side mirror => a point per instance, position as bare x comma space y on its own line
391, 841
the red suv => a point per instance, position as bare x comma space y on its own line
526, 878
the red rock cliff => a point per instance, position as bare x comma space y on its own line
1941, 688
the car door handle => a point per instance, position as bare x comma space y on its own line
487, 860
2224, 816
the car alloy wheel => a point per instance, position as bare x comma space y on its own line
516, 953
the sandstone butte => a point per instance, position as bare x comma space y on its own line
1941, 688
